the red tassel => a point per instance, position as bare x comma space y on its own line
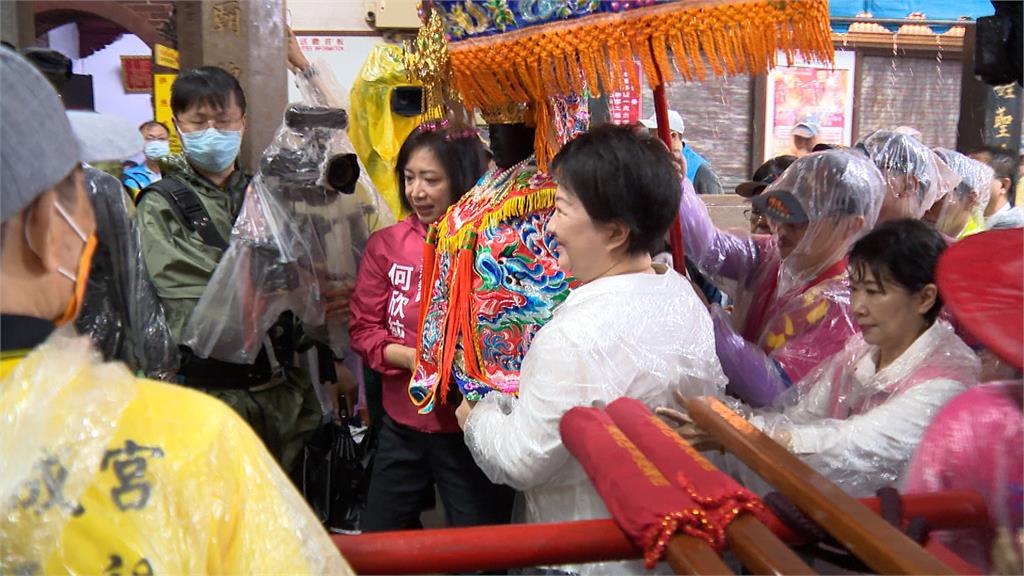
458, 307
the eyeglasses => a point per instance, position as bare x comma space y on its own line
753, 215
219, 124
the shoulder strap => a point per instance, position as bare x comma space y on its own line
187, 208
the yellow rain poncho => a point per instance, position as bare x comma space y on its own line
104, 473
376, 132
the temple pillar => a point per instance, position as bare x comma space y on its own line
246, 38
18, 23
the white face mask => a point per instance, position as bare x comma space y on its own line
78, 231
79, 277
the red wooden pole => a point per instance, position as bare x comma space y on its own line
451, 550
675, 233
524, 545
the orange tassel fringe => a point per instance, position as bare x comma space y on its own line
598, 51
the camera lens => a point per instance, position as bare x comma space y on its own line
343, 173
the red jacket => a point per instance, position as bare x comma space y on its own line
386, 310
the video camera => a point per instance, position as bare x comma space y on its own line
310, 169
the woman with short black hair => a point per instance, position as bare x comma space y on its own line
859, 417
633, 328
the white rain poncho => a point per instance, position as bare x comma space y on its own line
915, 177
105, 473
962, 210
859, 426
634, 335
299, 235
790, 313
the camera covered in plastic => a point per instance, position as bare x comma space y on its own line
308, 161
299, 237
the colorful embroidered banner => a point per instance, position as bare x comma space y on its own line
491, 281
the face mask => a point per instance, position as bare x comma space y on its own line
212, 150
81, 279
156, 149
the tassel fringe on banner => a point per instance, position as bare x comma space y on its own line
519, 205
687, 40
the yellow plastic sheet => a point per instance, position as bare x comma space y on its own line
104, 473
375, 131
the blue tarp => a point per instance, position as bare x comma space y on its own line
932, 9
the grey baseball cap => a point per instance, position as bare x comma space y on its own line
37, 146
40, 143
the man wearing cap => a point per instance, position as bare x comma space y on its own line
764, 175
805, 137
791, 288
119, 310
185, 222
103, 471
698, 171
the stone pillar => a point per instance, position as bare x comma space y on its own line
17, 23
246, 38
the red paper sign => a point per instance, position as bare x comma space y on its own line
137, 74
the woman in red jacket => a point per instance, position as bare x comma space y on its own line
436, 166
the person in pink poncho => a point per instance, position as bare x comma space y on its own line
791, 288
858, 418
977, 441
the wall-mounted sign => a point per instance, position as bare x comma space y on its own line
162, 106
1002, 121
166, 57
809, 91
137, 74
322, 43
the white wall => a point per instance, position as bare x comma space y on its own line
64, 39
108, 87
333, 15
344, 55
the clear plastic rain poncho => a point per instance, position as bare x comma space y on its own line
915, 177
859, 426
962, 211
791, 289
121, 311
303, 225
640, 336
104, 473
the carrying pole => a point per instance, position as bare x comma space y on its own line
675, 233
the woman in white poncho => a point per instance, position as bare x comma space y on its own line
633, 328
859, 417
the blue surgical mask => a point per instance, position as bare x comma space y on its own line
157, 149
212, 150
